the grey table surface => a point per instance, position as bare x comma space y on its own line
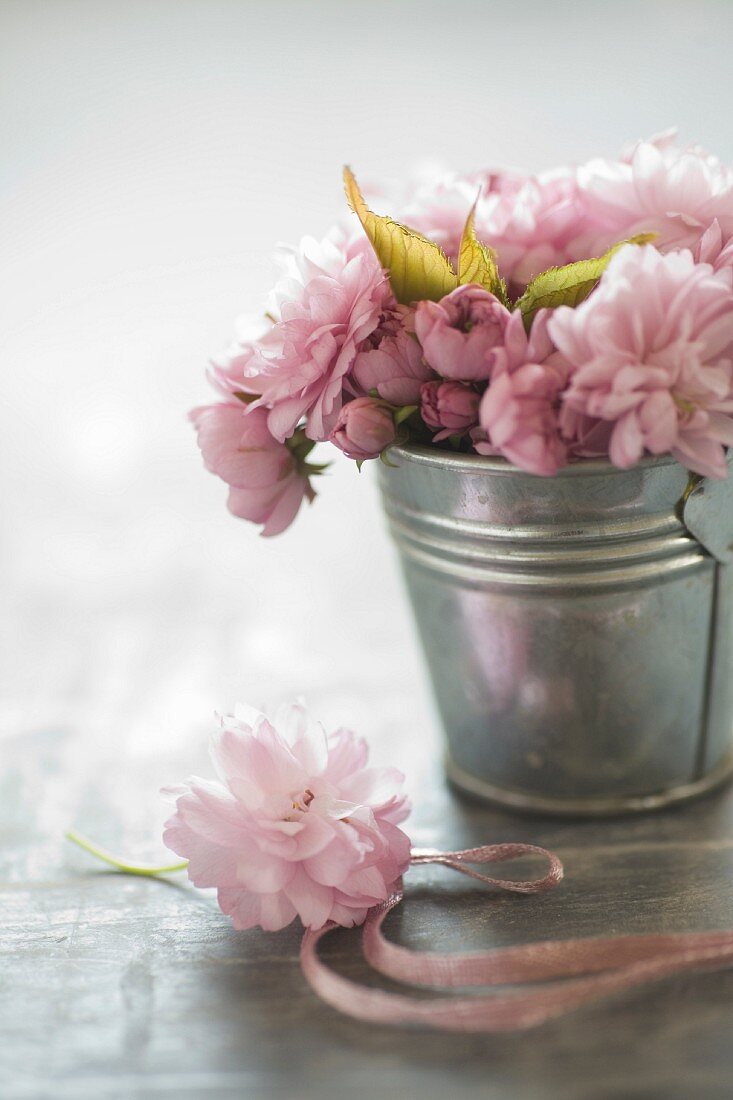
115, 987
153, 153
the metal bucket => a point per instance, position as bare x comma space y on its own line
578, 635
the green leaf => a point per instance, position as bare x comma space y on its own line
300, 445
477, 262
311, 469
418, 268
571, 284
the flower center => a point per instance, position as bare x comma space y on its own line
303, 801
682, 404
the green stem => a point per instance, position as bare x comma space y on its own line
120, 864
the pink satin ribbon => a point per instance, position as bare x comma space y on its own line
591, 968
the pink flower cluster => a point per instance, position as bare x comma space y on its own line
642, 366
296, 825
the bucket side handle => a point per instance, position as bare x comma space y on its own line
706, 509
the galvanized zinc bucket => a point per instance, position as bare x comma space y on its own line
578, 629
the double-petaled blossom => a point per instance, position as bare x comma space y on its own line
716, 249
567, 214
518, 414
642, 366
267, 484
390, 364
538, 227
227, 371
651, 352
365, 426
439, 203
459, 331
328, 303
296, 825
674, 191
531, 222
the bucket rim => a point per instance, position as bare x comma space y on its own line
426, 455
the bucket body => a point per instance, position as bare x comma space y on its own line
579, 638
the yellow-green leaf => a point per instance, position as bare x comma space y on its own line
571, 284
418, 269
477, 262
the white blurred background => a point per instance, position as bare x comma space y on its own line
153, 152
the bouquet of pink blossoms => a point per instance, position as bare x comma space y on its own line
584, 312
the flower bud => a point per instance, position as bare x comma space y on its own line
459, 331
364, 428
449, 407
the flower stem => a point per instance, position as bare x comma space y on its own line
121, 864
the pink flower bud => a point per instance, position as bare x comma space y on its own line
364, 428
448, 407
393, 366
459, 331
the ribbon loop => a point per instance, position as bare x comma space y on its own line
495, 853
592, 968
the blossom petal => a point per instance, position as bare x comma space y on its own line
312, 901
270, 911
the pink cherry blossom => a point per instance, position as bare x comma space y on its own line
532, 222
645, 364
296, 825
518, 415
676, 192
665, 141
391, 363
715, 249
458, 332
545, 224
652, 353
569, 213
265, 483
585, 436
365, 426
440, 203
227, 371
448, 407
329, 302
